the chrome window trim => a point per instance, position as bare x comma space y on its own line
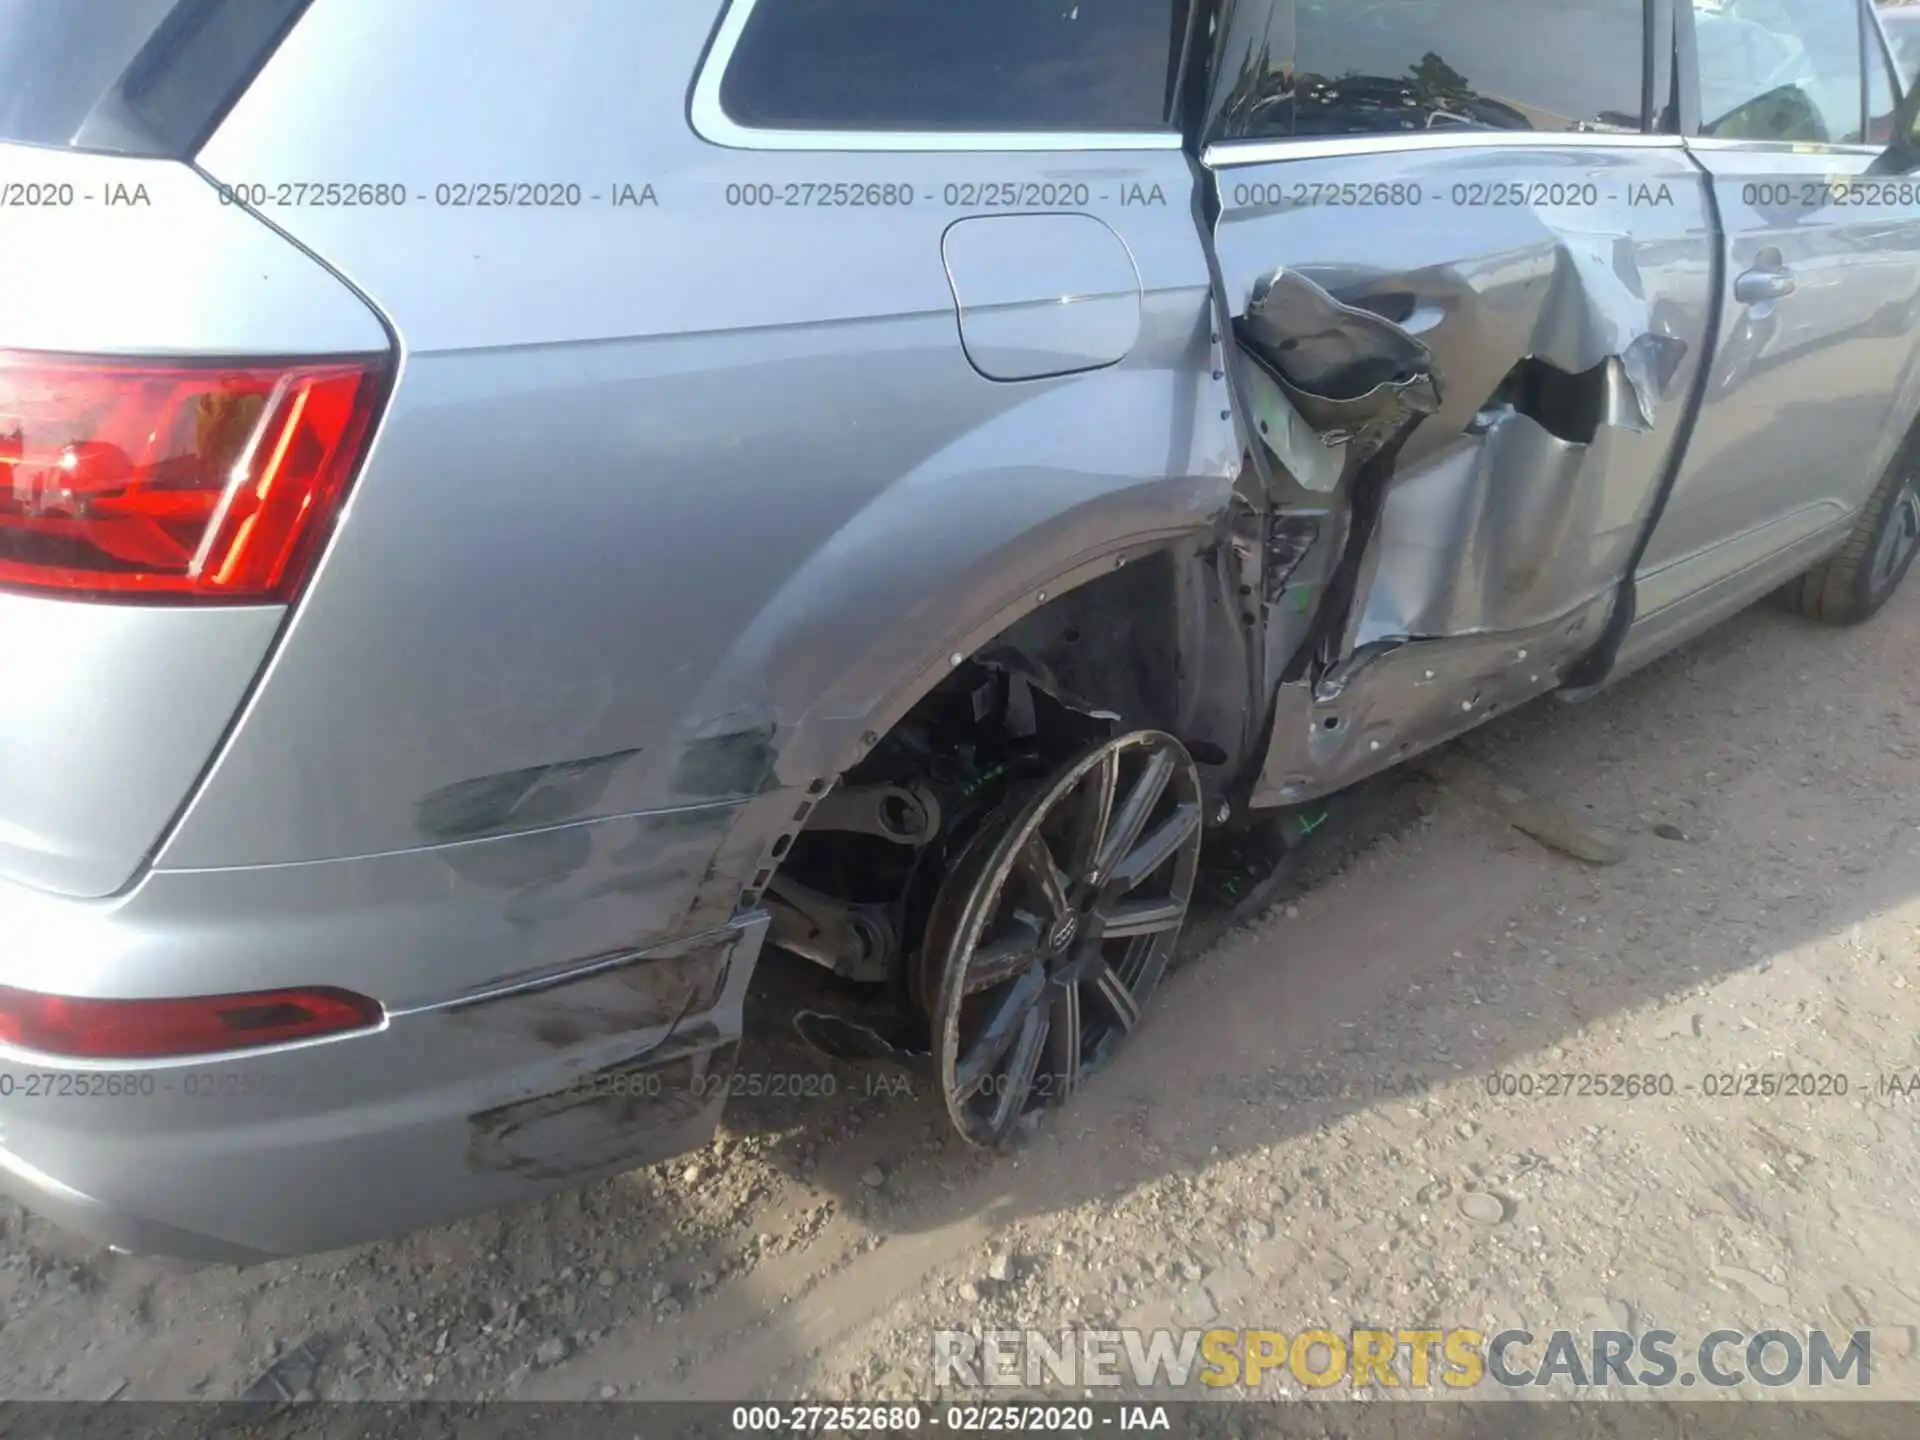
712, 123
1725, 145
1224, 154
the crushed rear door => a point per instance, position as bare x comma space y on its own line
1468, 330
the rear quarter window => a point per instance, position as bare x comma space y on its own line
130, 77
982, 65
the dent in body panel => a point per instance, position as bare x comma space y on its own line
1536, 505
679, 1010
1507, 512
672, 1019
752, 589
607, 1121
1026, 492
703, 556
651, 866
1363, 384
1396, 698
1497, 535
518, 799
733, 763
442, 1112
622, 995
740, 589
958, 500
410, 928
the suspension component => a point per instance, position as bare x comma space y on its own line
858, 942
904, 814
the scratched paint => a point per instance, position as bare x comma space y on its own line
527, 799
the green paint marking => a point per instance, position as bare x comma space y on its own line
1307, 827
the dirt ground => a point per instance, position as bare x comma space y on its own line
1302, 1135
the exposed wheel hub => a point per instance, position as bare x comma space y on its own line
1054, 924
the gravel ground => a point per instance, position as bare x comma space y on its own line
1301, 1136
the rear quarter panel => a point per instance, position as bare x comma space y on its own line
675, 501
109, 713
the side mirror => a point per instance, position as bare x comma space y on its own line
1902, 157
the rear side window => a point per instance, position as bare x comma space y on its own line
1784, 70
1306, 68
130, 77
982, 65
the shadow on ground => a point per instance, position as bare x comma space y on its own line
747, 1249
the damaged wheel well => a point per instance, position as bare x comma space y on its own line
1111, 646
1157, 642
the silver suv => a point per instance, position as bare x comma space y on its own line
506, 515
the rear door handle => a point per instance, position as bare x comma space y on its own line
1758, 286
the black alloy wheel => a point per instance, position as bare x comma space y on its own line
1055, 924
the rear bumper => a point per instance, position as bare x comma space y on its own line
121, 1229
440, 1113
524, 1074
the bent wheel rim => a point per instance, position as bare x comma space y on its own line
1055, 926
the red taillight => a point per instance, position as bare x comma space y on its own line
200, 1025
173, 480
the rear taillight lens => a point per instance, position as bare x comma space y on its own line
200, 1025
172, 480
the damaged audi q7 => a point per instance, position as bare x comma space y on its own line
500, 522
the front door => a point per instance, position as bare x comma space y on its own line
1819, 295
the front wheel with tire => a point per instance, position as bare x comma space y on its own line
1860, 577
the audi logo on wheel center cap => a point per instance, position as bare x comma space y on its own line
1063, 932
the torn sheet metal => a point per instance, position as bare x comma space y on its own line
1363, 384
1537, 505
1503, 531
1487, 542
1650, 364
1395, 699
1312, 461
1598, 309
1352, 374
1575, 408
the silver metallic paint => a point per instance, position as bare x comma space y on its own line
1495, 536
711, 121
679, 505
654, 534
108, 713
107, 716
180, 275
822, 419
1804, 405
1041, 295
336, 1142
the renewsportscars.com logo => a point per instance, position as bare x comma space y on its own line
1421, 1359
